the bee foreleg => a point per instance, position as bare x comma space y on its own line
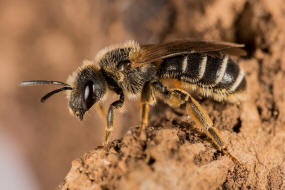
177, 97
110, 118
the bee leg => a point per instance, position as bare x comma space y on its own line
202, 119
144, 115
110, 117
177, 97
146, 100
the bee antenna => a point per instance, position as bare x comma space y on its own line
45, 97
42, 82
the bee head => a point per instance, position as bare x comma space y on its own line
84, 88
88, 87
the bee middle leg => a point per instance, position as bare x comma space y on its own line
110, 118
146, 100
177, 97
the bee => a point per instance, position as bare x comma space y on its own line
170, 71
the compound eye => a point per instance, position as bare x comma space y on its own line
89, 96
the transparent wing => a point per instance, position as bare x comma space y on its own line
156, 52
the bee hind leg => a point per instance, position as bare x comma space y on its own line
177, 97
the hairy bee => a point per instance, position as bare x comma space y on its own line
170, 71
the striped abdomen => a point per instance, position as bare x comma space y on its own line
220, 78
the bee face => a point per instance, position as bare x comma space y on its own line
87, 88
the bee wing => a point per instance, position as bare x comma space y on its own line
157, 52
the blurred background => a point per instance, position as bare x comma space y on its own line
48, 40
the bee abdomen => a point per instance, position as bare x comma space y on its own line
232, 79
219, 75
188, 68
